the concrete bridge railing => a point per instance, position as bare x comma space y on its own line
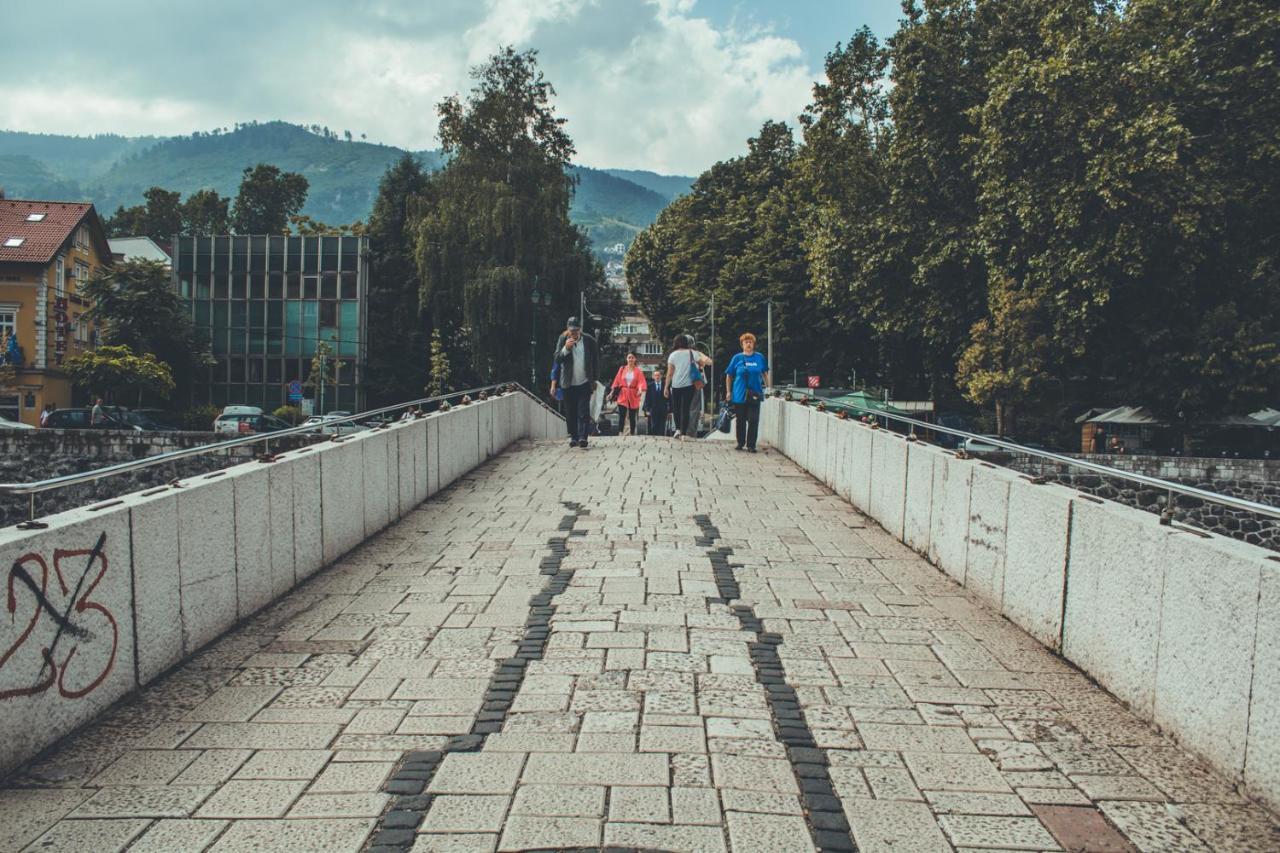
110, 596
1182, 625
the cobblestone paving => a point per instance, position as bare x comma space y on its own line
644, 645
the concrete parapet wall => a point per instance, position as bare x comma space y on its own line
108, 597
1182, 625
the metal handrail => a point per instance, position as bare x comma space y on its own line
51, 483
1171, 488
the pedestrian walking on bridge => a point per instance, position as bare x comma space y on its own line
684, 380
578, 358
629, 390
744, 381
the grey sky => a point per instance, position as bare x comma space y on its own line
668, 85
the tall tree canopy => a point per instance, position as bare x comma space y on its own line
494, 226
1054, 205
136, 307
266, 200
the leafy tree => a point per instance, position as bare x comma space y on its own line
205, 212
397, 322
159, 218
325, 370
113, 371
266, 200
439, 359
136, 307
308, 227
494, 223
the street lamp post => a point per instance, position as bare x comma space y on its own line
769, 342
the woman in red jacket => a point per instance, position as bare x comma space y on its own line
628, 389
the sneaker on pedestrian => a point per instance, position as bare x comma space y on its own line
573, 442
739, 447
679, 435
751, 449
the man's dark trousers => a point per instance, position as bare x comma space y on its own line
577, 410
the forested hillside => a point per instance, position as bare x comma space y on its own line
343, 173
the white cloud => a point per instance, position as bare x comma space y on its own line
650, 85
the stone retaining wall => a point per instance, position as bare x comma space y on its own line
1252, 479
28, 455
1182, 625
110, 596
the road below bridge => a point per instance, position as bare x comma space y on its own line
649, 644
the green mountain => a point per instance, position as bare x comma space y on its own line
114, 171
669, 186
22, 176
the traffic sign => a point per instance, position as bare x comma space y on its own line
815, 381
295, 391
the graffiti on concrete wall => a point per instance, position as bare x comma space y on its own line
65, 639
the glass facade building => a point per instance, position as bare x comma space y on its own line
266, 302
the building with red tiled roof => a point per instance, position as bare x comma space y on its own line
48, 251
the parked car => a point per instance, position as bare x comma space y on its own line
248, 425
163, 419
978, 447
83, 419
134, 418
325, 424
5, 423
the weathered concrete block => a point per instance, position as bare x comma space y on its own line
433, 453
308, 513
1208, 625
888, 480
988, 519
484, 429
252, 541
280, 509
207, 558
376, 447
1111, 627
1262, 757
342, 497
919, 502
409, 443
842, 438
1035, 560
54, 678
949, 515
157, 581
860, 466
771, 422
823, 448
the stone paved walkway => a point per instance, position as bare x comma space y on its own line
719, 655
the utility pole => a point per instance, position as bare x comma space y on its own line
321, 383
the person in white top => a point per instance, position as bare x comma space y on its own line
684, 380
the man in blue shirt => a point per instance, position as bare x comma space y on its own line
744, 383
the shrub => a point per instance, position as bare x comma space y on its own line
200, 418
292, 414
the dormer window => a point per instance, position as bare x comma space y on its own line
36, 217
14, 242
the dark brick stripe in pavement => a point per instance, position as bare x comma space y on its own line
397, 829
824, 812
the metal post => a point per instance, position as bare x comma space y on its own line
712, 402
769, 336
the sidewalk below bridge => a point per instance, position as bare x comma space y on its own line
648, 644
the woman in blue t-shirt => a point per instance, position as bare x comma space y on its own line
744, 383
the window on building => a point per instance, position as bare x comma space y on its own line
13, 242
82, 237
60, 278
8, 320
36, 217
82, 274
651, 348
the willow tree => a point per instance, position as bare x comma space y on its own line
494, 226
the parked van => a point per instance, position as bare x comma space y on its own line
228, 423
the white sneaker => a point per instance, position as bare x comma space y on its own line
679, 436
